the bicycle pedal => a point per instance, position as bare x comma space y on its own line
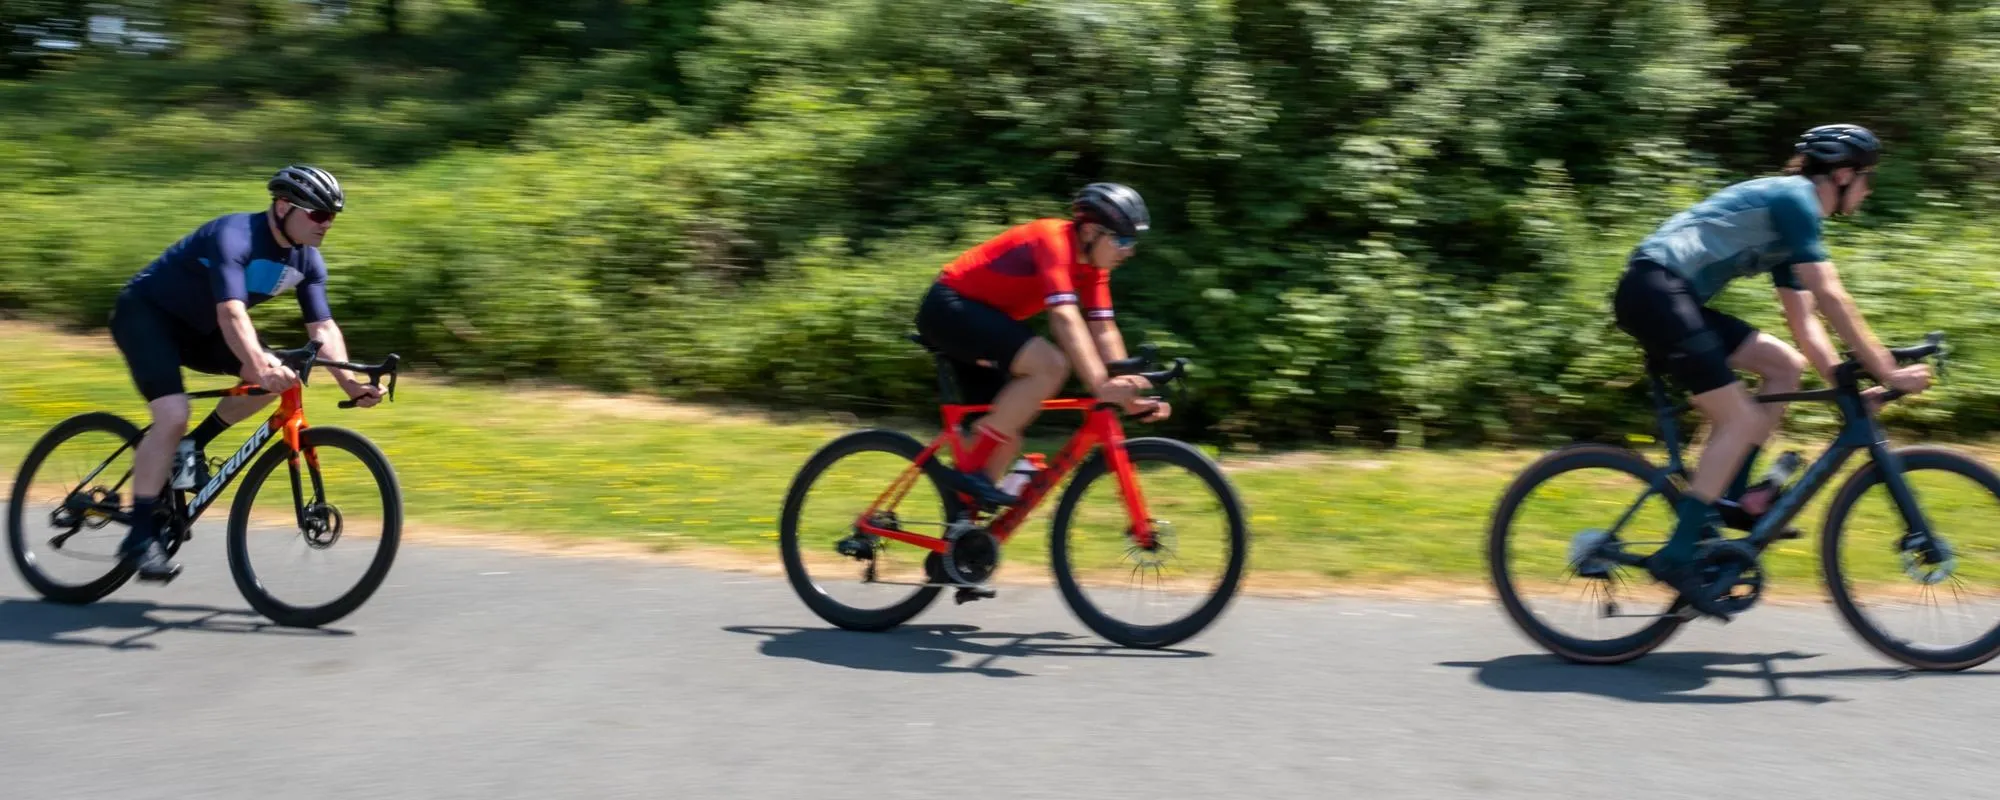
159, 579
967, 594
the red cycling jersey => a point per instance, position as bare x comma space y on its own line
1028, 268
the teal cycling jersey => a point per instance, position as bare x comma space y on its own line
1765, 225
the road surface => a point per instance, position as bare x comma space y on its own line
480, 673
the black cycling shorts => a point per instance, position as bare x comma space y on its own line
156, 346
1688, 340
969, 332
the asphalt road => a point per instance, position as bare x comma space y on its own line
482, 673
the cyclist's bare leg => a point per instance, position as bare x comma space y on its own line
150, 462
1779, 367
1039, 370
1737, 425
155, 454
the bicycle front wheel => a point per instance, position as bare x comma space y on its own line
1933, 605
1200, 542
311, 547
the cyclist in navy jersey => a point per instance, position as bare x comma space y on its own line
190, 308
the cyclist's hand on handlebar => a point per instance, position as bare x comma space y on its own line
1157, 409
363, 395
270, 374
1909, 380
1876, 397
1122, 391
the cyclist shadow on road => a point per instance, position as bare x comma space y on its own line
936, 648
1676, 677
125, 624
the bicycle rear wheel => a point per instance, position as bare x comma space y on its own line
80, 470
1199, 533
1864, 550
282, 550
1584, 497
887, 583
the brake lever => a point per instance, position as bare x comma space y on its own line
388, 367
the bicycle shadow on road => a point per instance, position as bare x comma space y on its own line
126, 624
936, 649
1676, 677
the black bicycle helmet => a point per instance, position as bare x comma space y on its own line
308, 187
1830, 147
1113, 205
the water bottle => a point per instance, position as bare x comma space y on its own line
1024, 469
187, 460
1781, 470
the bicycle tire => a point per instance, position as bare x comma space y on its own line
245, 574
24, 561
1964, 657
1570, 648
1150, 636
822, 605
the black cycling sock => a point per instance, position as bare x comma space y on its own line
208, 430
1696, 517
144, 527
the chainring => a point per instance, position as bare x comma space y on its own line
1747, 589
973, 555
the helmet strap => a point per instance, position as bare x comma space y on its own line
1086, 244
1840, 208
285, 238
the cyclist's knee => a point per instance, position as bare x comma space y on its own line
1780, 365
1041, 359
170, 413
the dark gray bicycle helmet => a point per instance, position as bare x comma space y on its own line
1113, 205
308, 187
1830, 147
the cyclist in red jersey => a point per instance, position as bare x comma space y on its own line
975, 315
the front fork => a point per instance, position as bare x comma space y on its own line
1920, 545
295, 439
1128, 482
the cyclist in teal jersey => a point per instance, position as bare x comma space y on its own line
1757, 227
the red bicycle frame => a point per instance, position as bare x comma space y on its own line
1100, 427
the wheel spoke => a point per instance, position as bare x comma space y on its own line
1866, 554
1555, 519
1172, 590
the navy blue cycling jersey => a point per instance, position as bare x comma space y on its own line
232, 257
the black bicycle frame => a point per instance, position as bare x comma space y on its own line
220, 480
1858, 431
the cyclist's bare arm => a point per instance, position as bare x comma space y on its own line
332, 347
1823, 281
1801, 315
1110, 343
1073, 336
234, 318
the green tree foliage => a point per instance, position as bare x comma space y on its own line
1372, 216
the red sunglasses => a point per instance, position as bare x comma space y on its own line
316, 215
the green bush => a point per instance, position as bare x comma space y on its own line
1373, 217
